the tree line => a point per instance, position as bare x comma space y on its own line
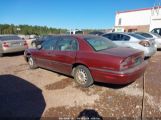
29, 29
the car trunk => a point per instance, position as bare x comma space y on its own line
136, 56
123, 52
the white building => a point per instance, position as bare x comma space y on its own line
138, 20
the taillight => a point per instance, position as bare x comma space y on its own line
5, 44
145, 43
126, 63
131, 62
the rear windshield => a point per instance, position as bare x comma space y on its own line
136, 36
156, 35
4, 38
100, 43
145, 35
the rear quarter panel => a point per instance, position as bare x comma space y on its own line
92, 59
98, 60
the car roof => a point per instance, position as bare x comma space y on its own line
77, 35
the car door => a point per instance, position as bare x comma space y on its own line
45, 55
66, 50
116, 39
124, 40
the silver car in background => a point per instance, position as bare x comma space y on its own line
11, 44
134, 41
154, 36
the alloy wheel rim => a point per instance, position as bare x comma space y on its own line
31, 61
81, 76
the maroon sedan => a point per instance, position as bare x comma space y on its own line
88, 58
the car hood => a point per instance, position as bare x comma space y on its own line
122, 52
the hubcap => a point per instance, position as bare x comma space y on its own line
31, 61
81, 76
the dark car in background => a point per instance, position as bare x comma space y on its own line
88, 58
39, 40
156, 31
96, 33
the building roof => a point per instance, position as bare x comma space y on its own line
137, 10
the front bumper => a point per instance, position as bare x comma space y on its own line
119, 77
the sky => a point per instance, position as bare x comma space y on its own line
68, 14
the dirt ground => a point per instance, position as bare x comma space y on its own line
42, 93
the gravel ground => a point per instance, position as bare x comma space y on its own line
42, 93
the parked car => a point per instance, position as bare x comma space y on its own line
39, 40
134, 41
11, 43
156, 31
97, 33
156, 37
88, 58
30, 40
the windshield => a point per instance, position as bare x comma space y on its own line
145, 35
137, 36
156, 35
100, 43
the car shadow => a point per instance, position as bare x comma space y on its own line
20, 99
159, 49
113, 86
13, 54
101, 84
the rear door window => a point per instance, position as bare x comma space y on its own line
125, 38
49, 43
109, 36
67, 44
116, 37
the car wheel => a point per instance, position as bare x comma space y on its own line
31, 63
83, 76
1, 54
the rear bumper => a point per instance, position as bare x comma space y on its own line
12, 50
159, 45
116, 77
150, 51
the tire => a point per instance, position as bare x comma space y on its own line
31, 63
83, 76
1, 54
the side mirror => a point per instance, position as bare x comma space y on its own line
39, 46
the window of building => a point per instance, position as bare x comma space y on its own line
120, 20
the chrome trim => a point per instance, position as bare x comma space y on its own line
56, 62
